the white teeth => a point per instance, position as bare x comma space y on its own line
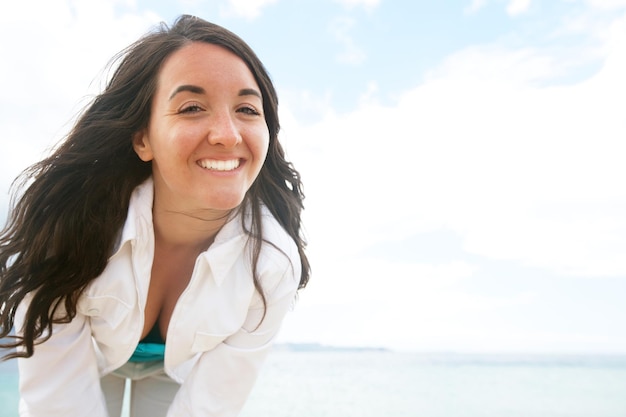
219, 165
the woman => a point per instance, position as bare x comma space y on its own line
161, 242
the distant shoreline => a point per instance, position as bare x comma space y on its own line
316, 347
486, 357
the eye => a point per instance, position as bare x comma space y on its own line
190, 108
248, 110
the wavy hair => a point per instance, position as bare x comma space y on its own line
63, 227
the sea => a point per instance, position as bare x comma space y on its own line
380, 383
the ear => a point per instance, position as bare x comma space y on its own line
141, 145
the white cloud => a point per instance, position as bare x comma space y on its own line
513, 8
367, 4
485, 147
58, 59
351, 54
248, 9
522, 171
370, 302
497, 64
517, 7
475, 6
369, 97
606, 4
424, 307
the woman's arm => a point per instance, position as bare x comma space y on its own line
223, 377
61, 378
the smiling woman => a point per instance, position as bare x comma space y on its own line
161, 242
207, 137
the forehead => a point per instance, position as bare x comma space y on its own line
201, 62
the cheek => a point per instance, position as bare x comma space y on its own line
178, 141
262, 155
264, 148
260, 144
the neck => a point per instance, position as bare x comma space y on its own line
191, 231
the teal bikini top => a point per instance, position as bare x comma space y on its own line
150, 348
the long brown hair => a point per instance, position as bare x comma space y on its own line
63, 227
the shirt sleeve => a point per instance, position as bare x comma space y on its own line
61, 378
223, 377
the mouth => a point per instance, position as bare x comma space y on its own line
219, 165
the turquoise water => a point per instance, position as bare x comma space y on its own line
8, 389
368, 384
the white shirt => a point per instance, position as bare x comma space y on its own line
214, 347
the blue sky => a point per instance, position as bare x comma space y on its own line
463, 160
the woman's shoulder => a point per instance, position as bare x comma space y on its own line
279, 260
279, 256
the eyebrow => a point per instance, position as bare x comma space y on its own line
199, 90
187, 87
250, 92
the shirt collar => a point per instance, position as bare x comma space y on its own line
226, 249
139, 216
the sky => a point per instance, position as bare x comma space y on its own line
462, 160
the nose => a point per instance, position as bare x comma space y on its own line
223, 130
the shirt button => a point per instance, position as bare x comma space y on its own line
93, 311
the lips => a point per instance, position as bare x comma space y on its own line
219, 165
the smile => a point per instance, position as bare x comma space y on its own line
218, 165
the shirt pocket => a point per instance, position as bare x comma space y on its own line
107, 310
203, 342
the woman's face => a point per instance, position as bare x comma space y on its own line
207, 137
